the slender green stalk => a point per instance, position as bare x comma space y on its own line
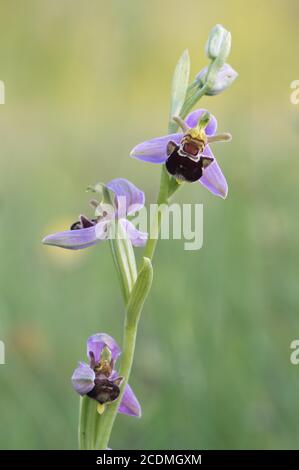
136, 302
155, 229
92, 426
191, 99
87, 423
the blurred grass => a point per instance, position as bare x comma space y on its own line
84, 83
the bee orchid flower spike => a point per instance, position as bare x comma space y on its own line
186, 156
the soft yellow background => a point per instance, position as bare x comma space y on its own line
86, 81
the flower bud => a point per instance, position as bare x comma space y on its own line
224, 78
219, 43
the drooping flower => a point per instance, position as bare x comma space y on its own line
99, 380
127, 199
187, 155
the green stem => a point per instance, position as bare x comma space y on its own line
192, 98
138, 295
155, 229
87, 423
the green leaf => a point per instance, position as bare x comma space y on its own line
87, 423
124, 258
140, 291
180, 84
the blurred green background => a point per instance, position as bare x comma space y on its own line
85, 82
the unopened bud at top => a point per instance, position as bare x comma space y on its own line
219, 43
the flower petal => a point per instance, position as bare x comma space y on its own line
97, 342
101, 228
193, 118
213, 178
224, 78
137, 237
154, 150
83, 379
129, 404
129, 198
73, 239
